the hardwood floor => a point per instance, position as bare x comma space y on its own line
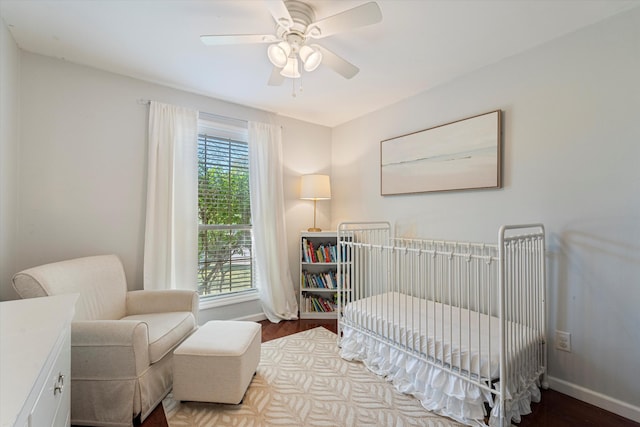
555, 409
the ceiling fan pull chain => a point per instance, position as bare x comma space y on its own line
293, 88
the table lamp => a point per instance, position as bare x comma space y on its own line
315, 187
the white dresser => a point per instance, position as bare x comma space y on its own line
35, 361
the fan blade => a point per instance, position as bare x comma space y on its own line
336, 63
366, 14
276, 78
216, 40
280, 13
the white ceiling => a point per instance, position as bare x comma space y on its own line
418, 45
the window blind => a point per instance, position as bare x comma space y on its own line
224, 209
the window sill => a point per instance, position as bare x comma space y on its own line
224, 300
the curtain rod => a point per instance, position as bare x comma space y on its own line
205, 115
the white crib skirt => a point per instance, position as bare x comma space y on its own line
437, 390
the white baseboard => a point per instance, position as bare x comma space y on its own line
253, 317
600, 400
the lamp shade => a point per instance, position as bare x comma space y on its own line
291, 68
311, 57
315, 187
279, 54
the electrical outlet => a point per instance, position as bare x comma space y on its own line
563, 341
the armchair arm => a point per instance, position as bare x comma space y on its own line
143, 302
109, 349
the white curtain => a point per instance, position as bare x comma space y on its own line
272, 275
171, 232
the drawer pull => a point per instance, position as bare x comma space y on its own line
59, 384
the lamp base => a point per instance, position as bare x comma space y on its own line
314, 229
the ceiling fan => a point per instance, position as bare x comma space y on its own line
296, 28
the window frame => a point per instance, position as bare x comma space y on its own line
231, 133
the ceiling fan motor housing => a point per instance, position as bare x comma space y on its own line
302, 15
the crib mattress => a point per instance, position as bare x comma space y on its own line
463, 340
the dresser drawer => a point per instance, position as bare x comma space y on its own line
54, 400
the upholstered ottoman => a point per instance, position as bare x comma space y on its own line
217, 363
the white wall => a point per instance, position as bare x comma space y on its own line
82, 164
307, 149
571, 160
9, 142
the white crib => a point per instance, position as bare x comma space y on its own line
459, 325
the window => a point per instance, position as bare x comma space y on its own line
225, 258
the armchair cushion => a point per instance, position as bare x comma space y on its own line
166, 330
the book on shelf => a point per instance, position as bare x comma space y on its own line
306, 250
319, 304
323, 253
325, 280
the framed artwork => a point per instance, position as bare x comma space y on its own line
461, 155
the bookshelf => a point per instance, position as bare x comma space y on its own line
318, 281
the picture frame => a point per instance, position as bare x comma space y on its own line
461, 155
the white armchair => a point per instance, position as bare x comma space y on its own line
122, 341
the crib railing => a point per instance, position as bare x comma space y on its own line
522, 302
358, 274
499, 288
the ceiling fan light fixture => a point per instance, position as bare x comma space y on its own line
311, 57
279, 53
291, 70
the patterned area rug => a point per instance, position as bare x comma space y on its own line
302, 381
